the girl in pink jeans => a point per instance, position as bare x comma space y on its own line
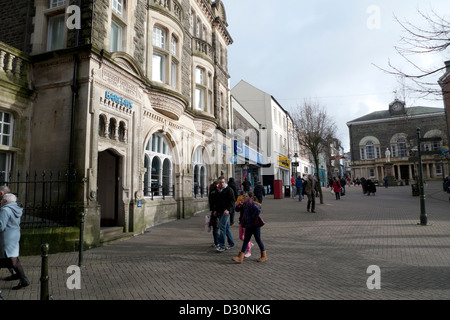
240, 206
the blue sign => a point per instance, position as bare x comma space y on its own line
240, 149
120, 100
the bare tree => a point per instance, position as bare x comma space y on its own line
315, 131
432, 38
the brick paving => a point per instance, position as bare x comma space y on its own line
312, 256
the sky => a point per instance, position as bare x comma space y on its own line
328, 51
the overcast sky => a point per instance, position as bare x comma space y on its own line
324, 50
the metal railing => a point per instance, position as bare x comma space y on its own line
159, 191
47, 199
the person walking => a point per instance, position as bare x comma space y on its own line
10, 216
14, 276
259, 192
299, 186
337, 188
233, 186
224, 204
251, 211
240, 207
246, 185
310, 191
293, 187
370, 187
213, 220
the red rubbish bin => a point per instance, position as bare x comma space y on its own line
277, 189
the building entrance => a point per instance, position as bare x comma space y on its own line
108, 179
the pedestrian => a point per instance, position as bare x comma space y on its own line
10, 215
386, 182
337, 188
246, 185
259, 192
343, 183
251, 211
240, 207
370, 187
293, 187
363, 184
310, 190
224, 205
213, 220
299, 185
233, 186
4, 190
1, 297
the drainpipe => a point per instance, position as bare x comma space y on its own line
74, 88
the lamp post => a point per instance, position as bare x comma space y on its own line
423, 214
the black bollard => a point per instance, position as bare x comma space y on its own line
44, 272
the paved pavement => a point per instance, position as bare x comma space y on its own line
312, 256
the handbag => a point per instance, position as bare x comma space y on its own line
258, 222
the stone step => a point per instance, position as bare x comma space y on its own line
110, 235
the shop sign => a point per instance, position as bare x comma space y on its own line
118, 99
284, 162
241, 150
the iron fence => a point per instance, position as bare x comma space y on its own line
47, 199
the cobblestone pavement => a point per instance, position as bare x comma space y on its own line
311, 256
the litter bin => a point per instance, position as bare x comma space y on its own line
415, 190
287, 191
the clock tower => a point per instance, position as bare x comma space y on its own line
397, 107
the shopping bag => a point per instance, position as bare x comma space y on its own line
207, 224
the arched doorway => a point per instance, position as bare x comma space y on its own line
108, 184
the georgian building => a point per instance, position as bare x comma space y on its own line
387, 140
132, 94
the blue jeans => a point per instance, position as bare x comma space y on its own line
224, 228
300, 194
249, 232
215, 232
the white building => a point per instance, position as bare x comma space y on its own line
277, 146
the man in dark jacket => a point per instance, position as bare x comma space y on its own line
259, 192
224, 204
246, 185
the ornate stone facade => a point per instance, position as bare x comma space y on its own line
144, 87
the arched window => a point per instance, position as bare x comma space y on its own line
102, 125
112, 128
158, 162
122, 131
370, 151
199, 169
401, 148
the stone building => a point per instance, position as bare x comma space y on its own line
384, 143
132, 94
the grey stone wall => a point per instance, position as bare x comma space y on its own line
16, 23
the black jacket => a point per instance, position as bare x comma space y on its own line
232, 185
224, 200
259, 192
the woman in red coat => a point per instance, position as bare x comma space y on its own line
337, 188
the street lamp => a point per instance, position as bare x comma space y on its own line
423, 214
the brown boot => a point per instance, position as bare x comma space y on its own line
263, 256
239, 258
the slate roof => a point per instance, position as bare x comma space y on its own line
385, 114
